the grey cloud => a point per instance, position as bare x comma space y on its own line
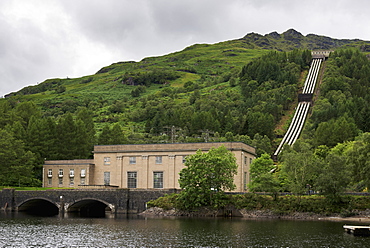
77, 32
28, 54
149, 27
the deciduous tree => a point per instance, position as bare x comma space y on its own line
262, 177
206, 176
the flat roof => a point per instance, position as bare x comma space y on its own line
168, 147
69, 162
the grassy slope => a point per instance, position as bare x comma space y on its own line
197, 63
206, 60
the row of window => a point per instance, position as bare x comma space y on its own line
157, 179
131, 180
71, 181
71, 173
132, 160
158, 160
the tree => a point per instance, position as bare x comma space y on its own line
262, 123
117, 135
358, 159
262, 144
67, 133
112, 135
104, 136
334, 177
262, 178
16, 164
300, 166
335, 131
85, 128
206, 176
26, 110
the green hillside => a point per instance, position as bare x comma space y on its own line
120, 91
237, 90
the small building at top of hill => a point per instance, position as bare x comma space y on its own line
321, 54
141, 166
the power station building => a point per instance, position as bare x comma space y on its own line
141, 166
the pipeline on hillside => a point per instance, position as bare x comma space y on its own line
302, 109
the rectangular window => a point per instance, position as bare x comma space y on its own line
71, 181
60, 181
60, 172
50, 172
158, 180
245, 181
106, 178
82, 181
83, 172
71, 172
158, 159
245, 160
132, 180
106, 160
132, 160
183, 159
250, 160
50, 181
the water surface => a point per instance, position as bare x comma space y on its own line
18, 230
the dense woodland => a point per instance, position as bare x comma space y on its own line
332, 155
205, 100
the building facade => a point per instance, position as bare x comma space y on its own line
142, 166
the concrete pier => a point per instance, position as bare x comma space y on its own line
357, 230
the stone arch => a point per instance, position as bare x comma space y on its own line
39, 206
92, 207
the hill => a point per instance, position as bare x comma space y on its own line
238, 89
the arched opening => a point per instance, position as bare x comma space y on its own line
89, 208
39, 207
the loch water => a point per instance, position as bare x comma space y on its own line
20, 230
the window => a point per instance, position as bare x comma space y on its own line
183, 159
71, 181
71, 172
131, 179
83, 172
245, 160
158, 180
106, 178
60, 180
50, 181
132, 160
82, 181
245, 180
250, 160
158, 159
106, 160
50, 172
60, 172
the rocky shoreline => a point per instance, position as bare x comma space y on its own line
360, 216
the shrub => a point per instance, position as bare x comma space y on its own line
166, 202
252, 201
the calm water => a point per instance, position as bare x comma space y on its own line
26, 231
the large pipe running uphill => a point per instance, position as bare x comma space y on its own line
300, 115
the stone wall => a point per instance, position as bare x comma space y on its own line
119, 200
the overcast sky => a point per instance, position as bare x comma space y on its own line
41, 39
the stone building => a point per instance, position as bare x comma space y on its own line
142, 166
